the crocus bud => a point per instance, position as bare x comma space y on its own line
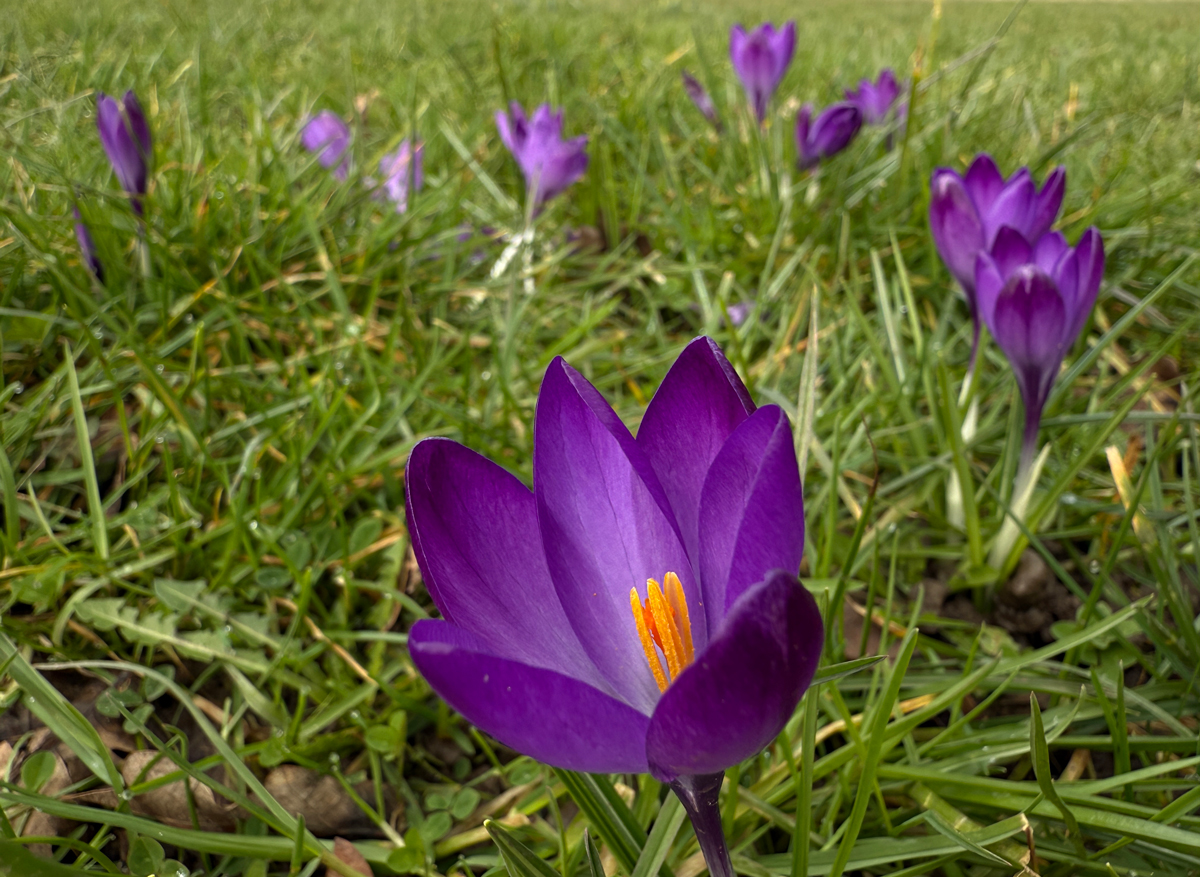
828, 134
326, 134
701, 99
966, 212
549, 163
87, 247
125, 137
877, 99
1035, 299
403, 172
760, 58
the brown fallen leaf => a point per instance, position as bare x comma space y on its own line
328, 811
345, 851
169, 804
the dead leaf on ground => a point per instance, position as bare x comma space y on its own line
169, 804
346, 852
327, 809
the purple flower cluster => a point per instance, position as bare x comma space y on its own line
1020, 279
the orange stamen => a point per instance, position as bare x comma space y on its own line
640, 617
663, 621
674, 589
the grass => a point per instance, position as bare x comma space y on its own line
224, 559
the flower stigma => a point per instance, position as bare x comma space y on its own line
664, 627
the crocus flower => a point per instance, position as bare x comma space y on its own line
87, 247
966, 213
876, 100
1035, 298
326, 134
125, 137
701, 98
760, 58
403, 171
549, 163
638, 610
828, 134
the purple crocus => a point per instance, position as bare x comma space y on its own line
760, 58
700, 97
966, 213
326, 134
876, 99
125, 137
549, 163
1035, 299
87, 247
638, 610
403, 172
828, 134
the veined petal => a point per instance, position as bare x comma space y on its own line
743, 688
988, 285
1048, 202
699, 404
751, 511
1011, 251
547, 715
956, 227
475, 535
1029, 324
1089, 255
1011, 208
983, 182
606, 526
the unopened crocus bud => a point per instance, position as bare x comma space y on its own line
87, 247
550, 163
328, 136
125, 137
403, 172
828, 134
701, 99
760, 58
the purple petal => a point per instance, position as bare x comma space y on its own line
1049, 251
606, 527
1029, 324
803, 126
1047, 203
956, 228
740, 692
401, 171
983, 182
699, 404
328, 136
1013, 207
751, 511
544, 714
834, 129
783, 47
1089, 254
475, 535
701, 99
1011, 251
989, 283
137, 123
87, 247
124, 153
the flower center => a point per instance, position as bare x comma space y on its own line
664, 627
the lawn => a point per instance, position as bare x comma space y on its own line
206, 566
